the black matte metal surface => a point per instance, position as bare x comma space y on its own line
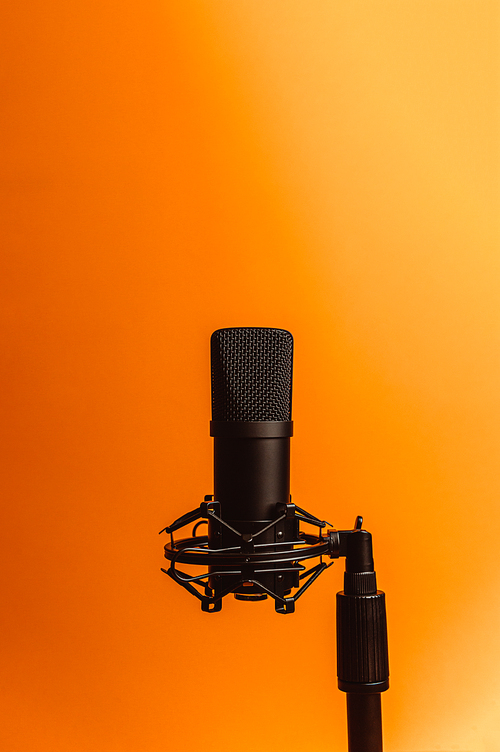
251, 429
251, 476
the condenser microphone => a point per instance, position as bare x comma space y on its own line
254, 547
252, 425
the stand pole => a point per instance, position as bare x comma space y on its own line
364, 722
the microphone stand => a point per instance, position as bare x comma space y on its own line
362, 650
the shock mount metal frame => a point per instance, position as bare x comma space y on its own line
251, 558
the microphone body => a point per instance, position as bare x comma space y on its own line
251, 476
251, 425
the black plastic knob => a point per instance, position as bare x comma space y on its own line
362, 653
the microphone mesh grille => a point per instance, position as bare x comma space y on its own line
251, 374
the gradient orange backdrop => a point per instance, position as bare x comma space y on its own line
171, 168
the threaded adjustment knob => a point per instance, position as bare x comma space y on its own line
362, 653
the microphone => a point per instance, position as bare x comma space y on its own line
252, 425
254, 547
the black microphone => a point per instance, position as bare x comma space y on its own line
252, 425
254, 547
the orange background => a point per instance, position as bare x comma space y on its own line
172, 168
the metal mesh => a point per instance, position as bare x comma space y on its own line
251, 374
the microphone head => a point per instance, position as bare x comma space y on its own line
251, 374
